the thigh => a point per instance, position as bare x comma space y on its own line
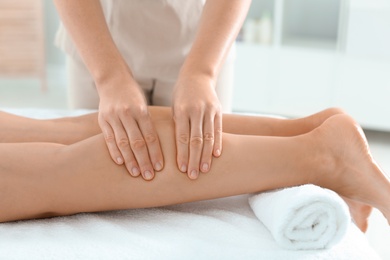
82, 91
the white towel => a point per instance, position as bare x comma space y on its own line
304, 217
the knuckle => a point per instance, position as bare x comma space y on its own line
183, 139
138, 144
135, 110
143, 112
150, 138
109, 138
179, 112
123, 143
106, 112
111, 110
196, 141
126, 110
101, 118
198, 109
217, 107
208, 137
142, 117
140, 109
181, 108
218, 130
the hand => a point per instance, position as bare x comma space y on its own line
198, 124
128, 129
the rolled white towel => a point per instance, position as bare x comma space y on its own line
304, 217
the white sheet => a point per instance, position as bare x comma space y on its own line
216, 229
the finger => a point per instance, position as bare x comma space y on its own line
152, 142
208, 142
218, 134
182, 133
109, 137
138, 146
122, 142
196, 146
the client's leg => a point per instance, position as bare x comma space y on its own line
269, 126
73, 129
66, 130
360, 213
40, 180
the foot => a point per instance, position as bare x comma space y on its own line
360, 213
350, 169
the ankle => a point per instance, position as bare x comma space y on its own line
326, 167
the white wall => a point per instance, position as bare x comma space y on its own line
54, 56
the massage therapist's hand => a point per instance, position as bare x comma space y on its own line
128, 128
198, 124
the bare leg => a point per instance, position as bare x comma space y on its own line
363, 170
73, 129
39, 180
268, 126
360, 213
67, 130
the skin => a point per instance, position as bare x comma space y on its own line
124, 117
52, 179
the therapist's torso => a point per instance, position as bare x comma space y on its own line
154, 36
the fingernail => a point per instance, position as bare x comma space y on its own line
119, 160
205, 166
218, 152
158, 166
134, 171
183, 168
194, 174
148, 175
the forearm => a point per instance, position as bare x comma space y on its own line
84, 21
219, 25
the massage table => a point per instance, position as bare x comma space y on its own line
223, 228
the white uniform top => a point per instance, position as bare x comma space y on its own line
153, 36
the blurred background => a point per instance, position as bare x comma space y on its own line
32, 69
293, 58
299, 56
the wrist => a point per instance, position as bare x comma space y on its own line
112, 78
197, 68
195, 82
108, 70
197, 74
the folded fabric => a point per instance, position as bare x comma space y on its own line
304, 217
